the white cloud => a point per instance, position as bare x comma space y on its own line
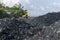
8, 2
33, 7
52, 7
55, 3
5, 1
37, 8
27, 1
42, 8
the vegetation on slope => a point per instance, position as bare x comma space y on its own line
15, 11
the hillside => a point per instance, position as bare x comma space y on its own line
47, 19
46, 27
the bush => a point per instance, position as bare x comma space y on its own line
4, 14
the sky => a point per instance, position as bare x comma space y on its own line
36, 7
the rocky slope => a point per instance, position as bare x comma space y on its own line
16, 29
46, 27
50, 24
51, 32
46, 20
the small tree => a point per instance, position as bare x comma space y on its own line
18, 10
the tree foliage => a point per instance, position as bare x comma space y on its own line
17, 10
3, 14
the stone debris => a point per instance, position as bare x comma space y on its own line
33, 29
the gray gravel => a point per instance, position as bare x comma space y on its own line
30, 29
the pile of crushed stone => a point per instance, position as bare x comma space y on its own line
16, 29
46, 27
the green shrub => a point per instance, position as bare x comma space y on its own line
3, 14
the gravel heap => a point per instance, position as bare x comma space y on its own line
16, 29
45, 27
46, 20
51, 32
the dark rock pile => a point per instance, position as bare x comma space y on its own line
50, 24
51, 32
46, 20
16, 29
46, 27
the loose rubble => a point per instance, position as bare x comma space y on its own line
20, 29
16, 29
